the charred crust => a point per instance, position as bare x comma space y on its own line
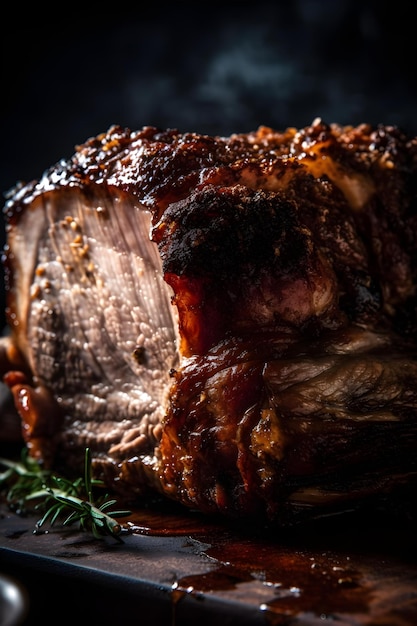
166, 164
222, 232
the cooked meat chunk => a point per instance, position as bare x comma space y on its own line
229, 321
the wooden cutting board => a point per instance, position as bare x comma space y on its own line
177, 568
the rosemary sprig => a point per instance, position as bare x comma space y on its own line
26, 484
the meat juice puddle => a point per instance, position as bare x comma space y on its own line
319, 571
345, 570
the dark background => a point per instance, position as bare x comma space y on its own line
207, 67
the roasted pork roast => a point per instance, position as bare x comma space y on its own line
227, 321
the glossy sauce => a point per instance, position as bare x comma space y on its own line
325, 571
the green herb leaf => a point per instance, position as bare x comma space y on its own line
26, 482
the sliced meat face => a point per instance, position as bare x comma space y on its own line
96, 324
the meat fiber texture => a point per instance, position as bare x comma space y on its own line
227, 321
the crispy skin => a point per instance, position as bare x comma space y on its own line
247, 338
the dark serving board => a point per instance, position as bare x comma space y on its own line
179, 568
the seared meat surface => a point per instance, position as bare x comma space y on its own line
230, 321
